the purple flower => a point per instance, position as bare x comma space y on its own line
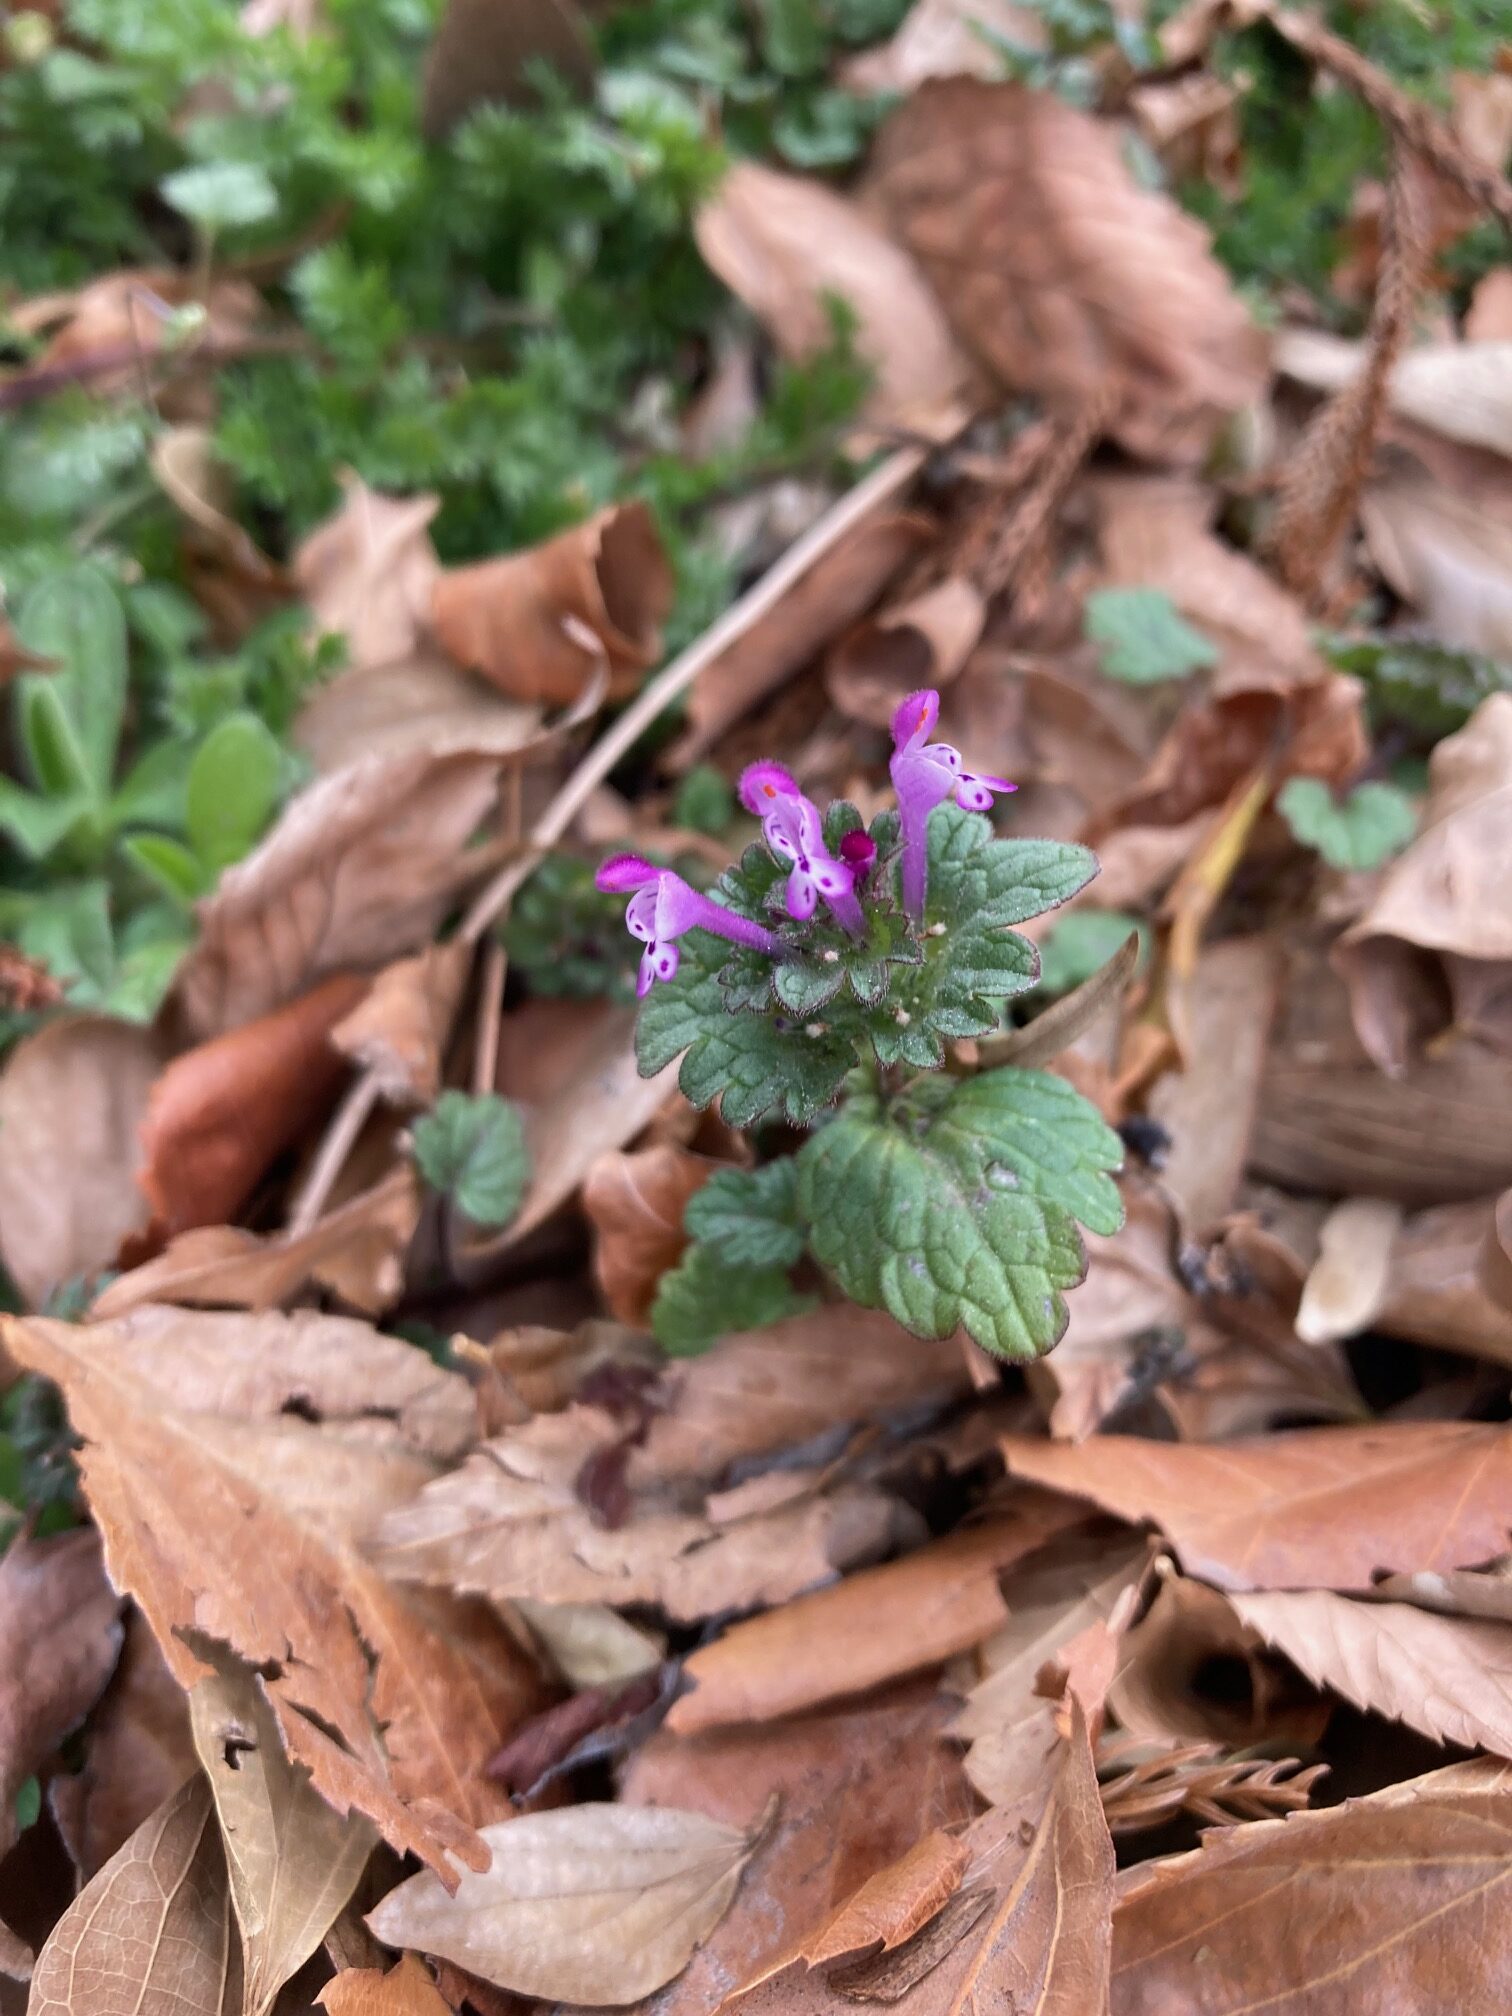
924, 775
663, 907
791, 827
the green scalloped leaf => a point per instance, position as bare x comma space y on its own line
749, 1216
956, 1206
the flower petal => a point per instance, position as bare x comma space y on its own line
802, 894
624, 871
761, 783
914, 718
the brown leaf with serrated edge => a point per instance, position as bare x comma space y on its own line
1397, 1901
1438, 920
368, 570
261, 1367
72, 1098
537, 624
1449, 1677
634, 1202
154, 1932
516, 1519
596, 1903
874, 1626
221, 1112
406, 1990
1058, 270
838, 589
357, 1250
400, 1030
138, 1754
212, 1526
292, 1861
1315, 1508
60, 1634
857, 1786
784, 243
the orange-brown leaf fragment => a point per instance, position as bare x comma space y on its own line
634, 1203
1316, 1508
538, 623
406, 1990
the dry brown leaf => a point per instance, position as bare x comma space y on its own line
60, 1635
357, 1250
221, 1113
1494, 1271
1449, 1677
1348, 1284
593, 1904
1058, 270
1161, 1692
1488, 319
399, 1030
244, 1536
893, 1905
782, 243
267, 1366
922, 642
1439, 917
538, 624
635, 1205
510, 1523
874, 1626
367, 572
124, 321
139, 1753
944, 38
1316, 1508
857, 1787
1447, 555
387, 710
1391, 1902
291, 1861
72, 1099
198, 484
837, 589
153, 1934
360, 869
482, 53
1192, 124
406, 1990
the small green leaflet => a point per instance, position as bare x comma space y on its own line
957, 1206
1081, 944
219, 195
232, 789
1374, 822
1142, 637
749, 1216
703, 1298
473, 1151
71, 718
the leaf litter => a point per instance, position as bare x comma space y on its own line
831, 1665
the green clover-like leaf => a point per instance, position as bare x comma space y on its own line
956, 1206
1142, 637
749, 1216
1374, 822
473, 1151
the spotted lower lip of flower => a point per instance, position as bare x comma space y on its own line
662, 907
924, 775
792, 828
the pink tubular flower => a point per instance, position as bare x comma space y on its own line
662, 907
791, 827
924, 775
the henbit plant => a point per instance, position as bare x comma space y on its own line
829, 969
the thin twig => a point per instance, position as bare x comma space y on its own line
490, 1015
890, 476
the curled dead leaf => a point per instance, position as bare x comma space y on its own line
922, 642
537, 624
635, 1205
367, 573
400, 1029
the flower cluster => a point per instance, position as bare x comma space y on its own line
662, 905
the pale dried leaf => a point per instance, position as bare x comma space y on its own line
291, 1860
1347, 1285
1449, 1677
1315, 1508
242, 1532
589, 1644
72, 1100
1460, 390
386, 710
592, 1904
368, 570
1441, 905
153, 1934
944, 38
406, 1990
184, 461
1058, 270
782, 243
1448, 556
400, 1030
357, 1250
